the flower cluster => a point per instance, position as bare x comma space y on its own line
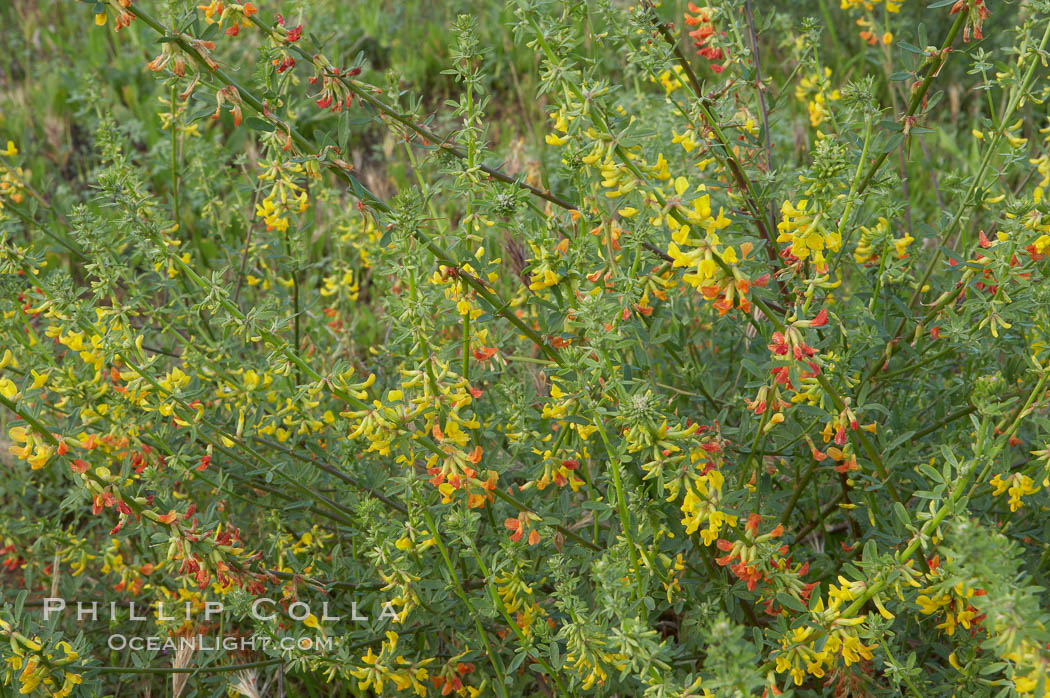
12, 179
123, 15
815, 92
950, 602
874, 239
390, 667
1017, 485
704, 37
870, 26
335, 95
239, 15
286, 195
807, 650
807, 235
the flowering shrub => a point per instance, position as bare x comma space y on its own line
554, 349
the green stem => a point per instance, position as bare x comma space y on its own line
621, 505
497, 663
497, 601
917, 98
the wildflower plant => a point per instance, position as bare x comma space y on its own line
610, 349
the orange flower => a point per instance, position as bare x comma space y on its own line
513, 524
519, 525
167, 518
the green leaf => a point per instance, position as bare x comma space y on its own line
210, 32
200, 114
814, 597
930, 472
358, 190
788, 601
871, 550
257, 124
892, 142
902, 514
516, 662
20, 602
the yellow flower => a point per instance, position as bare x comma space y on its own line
39, 379
807, 234
814, 91
8, 389
930, 605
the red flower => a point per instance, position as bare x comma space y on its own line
702, 35
840, 436
782, 376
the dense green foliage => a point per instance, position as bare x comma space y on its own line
525, 349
